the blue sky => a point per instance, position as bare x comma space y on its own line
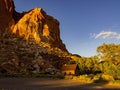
84, 24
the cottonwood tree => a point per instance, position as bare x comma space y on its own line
109, 52
110, 56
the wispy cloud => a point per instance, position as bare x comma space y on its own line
107, 35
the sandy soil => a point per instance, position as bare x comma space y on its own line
49, 84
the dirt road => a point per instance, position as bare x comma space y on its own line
49, 84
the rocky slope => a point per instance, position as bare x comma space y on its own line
30, 41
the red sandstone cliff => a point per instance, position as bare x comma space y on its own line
29, 42
6, 15
40, 27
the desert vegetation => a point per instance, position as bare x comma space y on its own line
104, 67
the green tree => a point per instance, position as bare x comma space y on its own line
86, 65
110, 56
109, 52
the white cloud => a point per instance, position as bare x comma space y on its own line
118, 37
107, 35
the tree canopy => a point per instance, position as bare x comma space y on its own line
109, 52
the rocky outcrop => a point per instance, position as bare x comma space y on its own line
30, 41
9, 61
40, 27
6, 15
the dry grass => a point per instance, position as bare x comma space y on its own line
99, 78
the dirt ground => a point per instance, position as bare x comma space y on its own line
49, 84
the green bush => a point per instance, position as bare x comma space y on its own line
102, 78
83, 78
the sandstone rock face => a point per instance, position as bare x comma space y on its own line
29, 42
8, 59
6, 12
40, 27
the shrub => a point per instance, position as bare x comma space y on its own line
108, 77
83, 78
103, 78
